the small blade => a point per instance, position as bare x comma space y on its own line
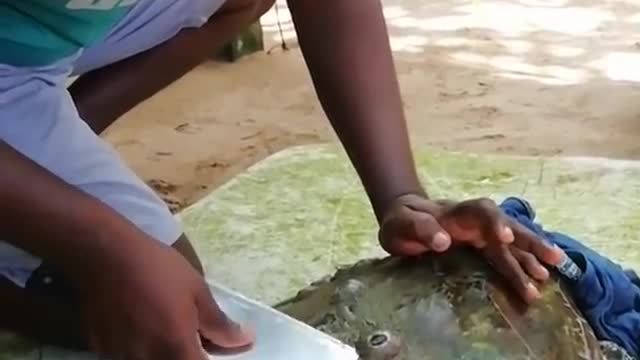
278, 336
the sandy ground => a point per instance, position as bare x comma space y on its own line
554, 77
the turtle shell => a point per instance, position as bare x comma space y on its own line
440, 307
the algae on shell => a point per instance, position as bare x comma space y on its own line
440, 307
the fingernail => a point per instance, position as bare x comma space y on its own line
249, 331
532, 291
507, 235
544, 273
441, 241
560, 254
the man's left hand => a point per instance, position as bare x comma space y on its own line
413, 225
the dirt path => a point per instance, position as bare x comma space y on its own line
551, 77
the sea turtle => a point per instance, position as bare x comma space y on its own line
441, 307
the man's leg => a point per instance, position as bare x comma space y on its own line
110, 90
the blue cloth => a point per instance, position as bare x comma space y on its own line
607, 294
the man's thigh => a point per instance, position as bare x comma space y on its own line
38, 119
148, 24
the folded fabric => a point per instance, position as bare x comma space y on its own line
607, 294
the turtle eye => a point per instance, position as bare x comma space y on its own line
381, 345
377, 340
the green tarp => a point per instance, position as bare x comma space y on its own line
299, 214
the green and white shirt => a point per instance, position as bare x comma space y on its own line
40, 32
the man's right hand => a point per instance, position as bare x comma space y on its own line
151, 304
141, 300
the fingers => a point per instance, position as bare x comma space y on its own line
530, 264
216, 327
529, 242
181, 341
415, 226
407, 232
477, 222
495, 221
195, 351
505, 233
188, 349
426, 230
508, 266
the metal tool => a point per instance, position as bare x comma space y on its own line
278, 336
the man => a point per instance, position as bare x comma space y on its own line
90, 256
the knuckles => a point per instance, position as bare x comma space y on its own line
484, 206
528, 258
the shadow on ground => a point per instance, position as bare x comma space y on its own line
525, 39
514, 63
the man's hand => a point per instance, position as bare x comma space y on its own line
414, 225
152, 304
141, 300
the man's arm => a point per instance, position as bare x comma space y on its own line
346, 46
115, 268
105, 94
347, 50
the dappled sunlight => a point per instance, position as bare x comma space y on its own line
508, 19
278, 25
623, 66
518, 19
565, 73
453, 42
515, 68
516, 46
444, 23
537, 78
563, 51
411, 44
271, 18
393, 12
546, 3
555, 42
634, 19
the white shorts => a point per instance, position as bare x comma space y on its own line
38, 119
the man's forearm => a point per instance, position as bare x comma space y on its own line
47, 217
346, 47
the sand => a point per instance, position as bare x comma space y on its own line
521, 77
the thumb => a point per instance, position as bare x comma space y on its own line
217, 329
429, 232
410, 233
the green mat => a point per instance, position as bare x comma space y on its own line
299, 214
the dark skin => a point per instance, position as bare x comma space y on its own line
127, 83
155, 305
